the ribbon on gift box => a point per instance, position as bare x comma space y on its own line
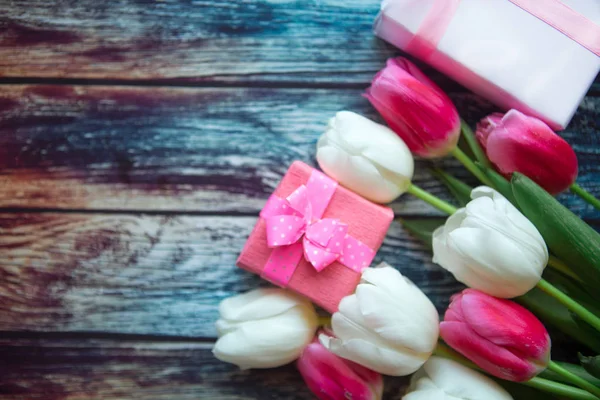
295, 227
552, 12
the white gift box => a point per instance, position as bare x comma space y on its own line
500, 51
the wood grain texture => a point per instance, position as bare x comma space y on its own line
69, 369
209, 150
263, 77
158, 275
182, 41
266, 40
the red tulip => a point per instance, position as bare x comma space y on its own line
415, 108
498, 335
515, 142
330, 377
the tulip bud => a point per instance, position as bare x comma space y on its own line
330, 377
490, 246
415, 108
366, 157
500, 336
515, 142
388, 325
443, 379
264, 328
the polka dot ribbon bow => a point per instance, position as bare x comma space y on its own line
295, 228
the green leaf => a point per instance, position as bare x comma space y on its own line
583, 293
476, 149
423, 228
591, 365
571, 239
500, 184
552, 312
573, 368
521, 392
460, 190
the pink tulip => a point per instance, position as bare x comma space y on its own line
498, 335
330, 377
515, 142
415, 108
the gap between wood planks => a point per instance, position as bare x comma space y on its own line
449, 86
185, 83
109, 211
208, 342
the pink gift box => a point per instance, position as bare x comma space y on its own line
367, 223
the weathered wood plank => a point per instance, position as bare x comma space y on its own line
159, 275
202, 149
327, 42
68, 369
266, 40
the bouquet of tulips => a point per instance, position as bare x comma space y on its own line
524, 257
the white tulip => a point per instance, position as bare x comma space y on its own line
387, 325
264, 328
366, 157
490, 246
443, 379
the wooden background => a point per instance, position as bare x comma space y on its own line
138, 141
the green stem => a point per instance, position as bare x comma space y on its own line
562, 267
474, 144
582, 383
431, 199
324, 321
571, 304
585, 195
559, 389
545, 385
470, 165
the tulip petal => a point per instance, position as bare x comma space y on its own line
259, 304
456, 381
494, 359
492, 262
372, 378
494, 215
464, 270
486, 126
416, 110
412, 139
454, 312
414, 71
506, 324
268, 343
429, 394
385, 277
379, 359
349, 323
357, 174
485, 252
384, 148
527, 145
408, 320
330, 377
366, 157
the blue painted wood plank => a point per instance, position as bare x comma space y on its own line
209, 150
56, 368
152, 275
315, 43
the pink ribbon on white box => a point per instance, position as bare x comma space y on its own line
295, 227
553, 12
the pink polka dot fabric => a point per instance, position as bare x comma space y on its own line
295, 228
